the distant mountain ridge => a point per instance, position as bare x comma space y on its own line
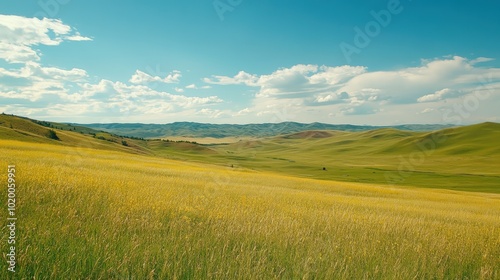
192, 129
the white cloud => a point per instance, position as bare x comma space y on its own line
34, 82
193, 86
34, 86
352, 91
325, 85
438, 95
37, 72
333, 97
78, 37
481, 59
13, 53
19, 34
143, 78
32, 89
336, 75
212, 113
140, 94
408, 85
243, 112
173, 77
296, 82
241, 78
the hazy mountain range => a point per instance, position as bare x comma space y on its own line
190, 129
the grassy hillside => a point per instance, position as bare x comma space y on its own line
28, 130
86, 213
462, 158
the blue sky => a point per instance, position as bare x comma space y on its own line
241, 61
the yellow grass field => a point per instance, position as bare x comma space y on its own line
85, 213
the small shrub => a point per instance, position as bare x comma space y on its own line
52, 135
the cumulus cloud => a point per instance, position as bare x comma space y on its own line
408, 85
29, 88
33, 82
18, 36
323, 84
103, 101
143, 78
13, 53
295, 82
140, 94
355, 91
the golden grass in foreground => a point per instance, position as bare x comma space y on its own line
86, 213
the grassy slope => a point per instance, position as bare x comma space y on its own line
27, 130
101, 214
464, 158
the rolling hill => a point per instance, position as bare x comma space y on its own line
29, 130
86, 213
459, 158
462, 158
103, 206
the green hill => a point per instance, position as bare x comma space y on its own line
462, 158
16, 128
28, 130
476, 139
99, 214
459, 158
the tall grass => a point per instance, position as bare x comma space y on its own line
108, 215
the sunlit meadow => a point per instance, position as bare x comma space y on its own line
85, 213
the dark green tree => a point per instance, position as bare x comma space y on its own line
52, 135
